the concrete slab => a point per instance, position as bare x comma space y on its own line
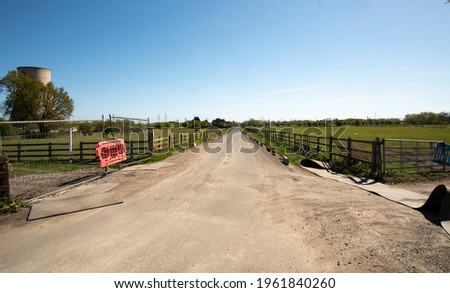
84, 197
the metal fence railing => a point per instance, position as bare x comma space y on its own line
411, 155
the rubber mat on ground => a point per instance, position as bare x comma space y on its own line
82, 198
438, 201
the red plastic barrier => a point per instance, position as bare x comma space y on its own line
110, 152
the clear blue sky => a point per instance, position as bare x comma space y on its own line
303, 59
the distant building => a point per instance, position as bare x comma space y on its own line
39, 73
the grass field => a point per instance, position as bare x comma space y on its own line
397, 132
96, 137
42, 165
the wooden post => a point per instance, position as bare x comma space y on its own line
318, 145
131, 150
378, 158
375, 154
309, 143
330, 147
444, 151
169, 141
383, 160
5, 190
50, 150
81, 151
349, 150
19, 152
150, 135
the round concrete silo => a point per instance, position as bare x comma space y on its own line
39, 73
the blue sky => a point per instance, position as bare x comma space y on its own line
303, 59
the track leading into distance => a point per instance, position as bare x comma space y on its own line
227, 206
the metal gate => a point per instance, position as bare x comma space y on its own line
414, 156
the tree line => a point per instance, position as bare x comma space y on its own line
423, 118
428, 118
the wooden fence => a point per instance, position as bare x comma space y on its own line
381, 154
85, 151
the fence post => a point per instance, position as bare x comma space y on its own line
376, 155
81, 151
150, 135
383, 160
131, 150
19, 151
309, 143
169, 141
349, 150
330, 147
318, 145
5, 191
379, 157
445, 153
50, 150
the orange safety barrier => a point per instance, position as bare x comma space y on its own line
110, 152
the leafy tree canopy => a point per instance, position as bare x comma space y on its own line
30, 99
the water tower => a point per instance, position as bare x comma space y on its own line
39, 73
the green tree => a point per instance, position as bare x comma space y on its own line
6, 129
30, 99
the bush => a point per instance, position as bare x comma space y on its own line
86, 128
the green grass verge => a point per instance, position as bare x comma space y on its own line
45, 167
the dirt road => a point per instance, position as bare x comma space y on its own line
233, 210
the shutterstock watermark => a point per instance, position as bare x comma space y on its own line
310, 139
214, 140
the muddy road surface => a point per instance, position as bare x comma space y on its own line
228, 206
